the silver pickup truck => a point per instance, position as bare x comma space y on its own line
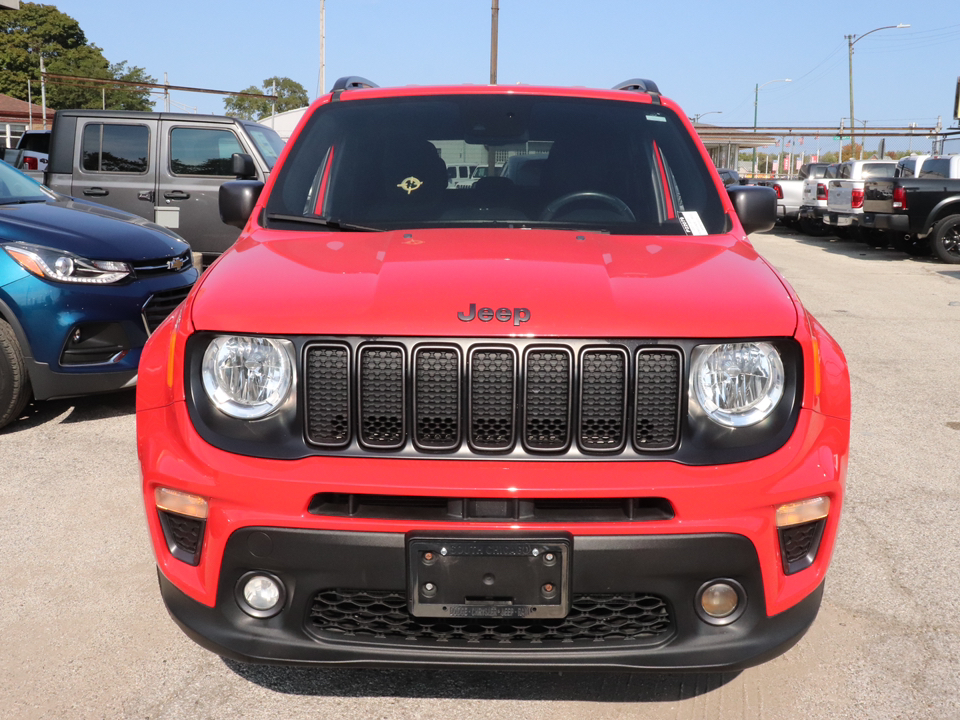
790, 191
845, 194
165, 167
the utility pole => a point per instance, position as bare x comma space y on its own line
43, 92
321, 85
494, 23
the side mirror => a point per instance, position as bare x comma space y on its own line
755, 205
243, 167
237, 200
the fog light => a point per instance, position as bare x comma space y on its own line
720, 602
260, 595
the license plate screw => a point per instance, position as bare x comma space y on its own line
549, 590
443, 551
429, 589
536, 552
549, 558
429, 558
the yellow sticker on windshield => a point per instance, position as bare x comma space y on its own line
410, 184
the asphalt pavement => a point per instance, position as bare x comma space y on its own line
85, 634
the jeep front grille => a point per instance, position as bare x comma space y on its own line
489, 398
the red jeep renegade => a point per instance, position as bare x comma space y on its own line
562, 417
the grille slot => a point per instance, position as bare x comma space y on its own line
382, 396
437, 398
657, 393
328, 395
160, 305
493, 398
593, 619
603, 400
547, 399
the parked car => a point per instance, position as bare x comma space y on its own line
910, 166
845, 194
35, 145
919, 214
165, 167
790, 191
813, 204
728, 176
81, 287
576, 423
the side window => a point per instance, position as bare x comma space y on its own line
939, 168
115, 148
202, 151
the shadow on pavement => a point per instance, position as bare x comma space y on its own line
74, 410
472, 685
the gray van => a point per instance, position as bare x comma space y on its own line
165, 167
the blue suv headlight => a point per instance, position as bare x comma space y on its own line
66, 267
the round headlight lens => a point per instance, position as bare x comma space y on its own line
738, 384
248, 377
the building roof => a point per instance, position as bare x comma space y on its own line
13, 110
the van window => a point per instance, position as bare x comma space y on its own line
871, 171
115, 148
202, 151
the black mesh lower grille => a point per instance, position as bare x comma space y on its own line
798, 540
593, 618
381, 397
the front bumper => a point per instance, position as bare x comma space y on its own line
365, 629
260, 518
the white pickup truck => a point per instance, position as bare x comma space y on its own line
813, 203
790, 191
845, 194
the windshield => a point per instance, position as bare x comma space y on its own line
268, 143
15, 187
608, 166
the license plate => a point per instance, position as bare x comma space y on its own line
844, 220
489, 578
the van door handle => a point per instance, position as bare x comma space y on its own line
176, 195
95, 192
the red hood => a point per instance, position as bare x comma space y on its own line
416, 282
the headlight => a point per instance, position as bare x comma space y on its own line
66, 267
737, 384
248, 377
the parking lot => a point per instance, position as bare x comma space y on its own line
86, 635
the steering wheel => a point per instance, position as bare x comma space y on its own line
614, 202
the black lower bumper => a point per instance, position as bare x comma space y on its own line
312, 564
886, 221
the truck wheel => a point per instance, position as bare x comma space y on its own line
946, 239
814, 228
874, 238
14, 383
911, 245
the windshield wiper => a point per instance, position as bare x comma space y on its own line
23, 201
324, 222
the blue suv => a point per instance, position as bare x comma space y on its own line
81, 288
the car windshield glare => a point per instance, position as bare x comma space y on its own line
15, 187
518, 160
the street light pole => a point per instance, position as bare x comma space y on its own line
756, 96
696, 118
494, 23
851, 41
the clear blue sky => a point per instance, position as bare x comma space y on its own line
706, 55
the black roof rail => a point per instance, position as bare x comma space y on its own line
350, 82
641, 85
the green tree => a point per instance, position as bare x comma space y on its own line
36, 31
290, 96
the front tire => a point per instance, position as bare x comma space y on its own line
14, 381
946, 239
